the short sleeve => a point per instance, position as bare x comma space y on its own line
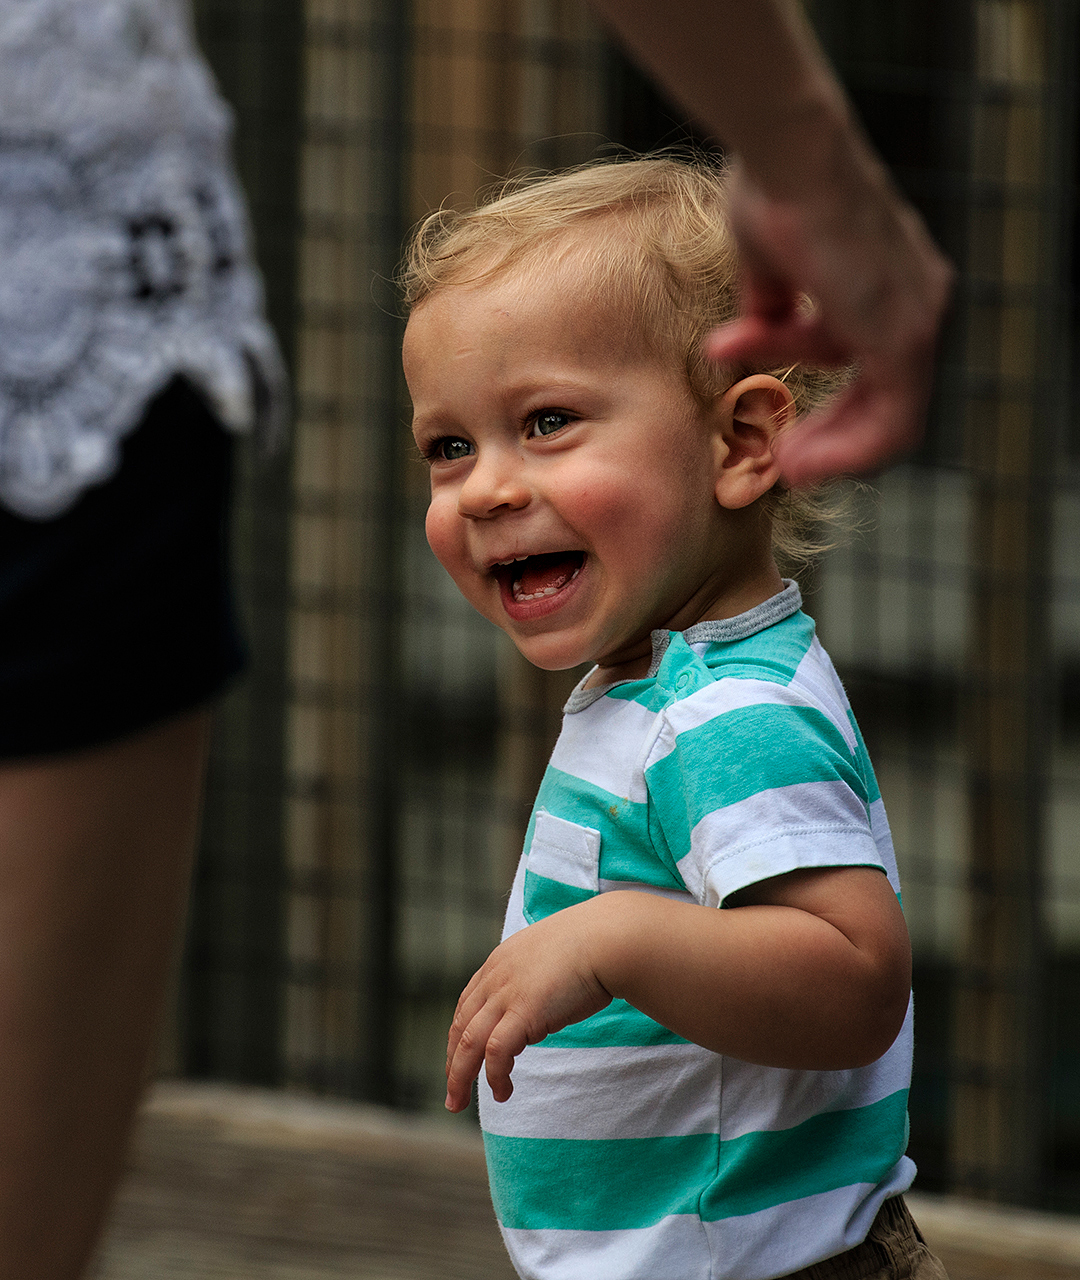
741, 793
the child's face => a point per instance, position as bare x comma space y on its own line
573, 475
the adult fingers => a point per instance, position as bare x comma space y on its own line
767, 295
756, 339
866, 426
879, 417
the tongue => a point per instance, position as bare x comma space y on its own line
541, 572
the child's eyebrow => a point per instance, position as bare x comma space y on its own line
556, 385
433, 425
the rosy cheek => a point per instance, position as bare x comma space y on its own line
608, 514
439, 525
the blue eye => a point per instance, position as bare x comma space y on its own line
548, 421
451, 449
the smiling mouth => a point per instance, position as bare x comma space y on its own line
535, 577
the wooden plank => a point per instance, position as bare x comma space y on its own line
230, 1183
977, 1241
248, 1184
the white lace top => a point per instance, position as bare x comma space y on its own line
123, 256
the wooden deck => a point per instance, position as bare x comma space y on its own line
231, 1184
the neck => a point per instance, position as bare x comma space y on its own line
747, 595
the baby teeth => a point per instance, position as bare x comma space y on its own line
521, 596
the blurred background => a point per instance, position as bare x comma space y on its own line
372, 775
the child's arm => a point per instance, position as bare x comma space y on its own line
810, 970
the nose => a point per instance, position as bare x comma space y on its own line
497, 482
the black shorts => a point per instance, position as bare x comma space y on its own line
118, 614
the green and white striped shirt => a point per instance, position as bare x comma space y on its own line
626, 1152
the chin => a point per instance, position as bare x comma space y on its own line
550, 657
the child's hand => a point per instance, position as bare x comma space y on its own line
809, 971
534, 983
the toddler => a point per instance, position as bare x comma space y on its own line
703, 988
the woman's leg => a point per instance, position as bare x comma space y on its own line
95, 859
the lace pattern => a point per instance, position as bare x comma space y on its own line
123, 243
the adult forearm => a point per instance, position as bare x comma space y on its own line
751, 71
814, 213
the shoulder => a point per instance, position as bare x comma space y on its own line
752, 775
779, 676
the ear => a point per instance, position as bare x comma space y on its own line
748, 418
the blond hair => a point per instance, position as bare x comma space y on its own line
648, 236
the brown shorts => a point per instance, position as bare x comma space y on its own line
893, 1250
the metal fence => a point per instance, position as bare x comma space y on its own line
956, 619
371, 779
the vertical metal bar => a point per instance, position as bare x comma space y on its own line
377, 1077
996, 1142
230, 1000
342, 810
1062, 1047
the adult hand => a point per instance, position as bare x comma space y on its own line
815, 214
879, 288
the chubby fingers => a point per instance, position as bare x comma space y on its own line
466, 1007
490, 1034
